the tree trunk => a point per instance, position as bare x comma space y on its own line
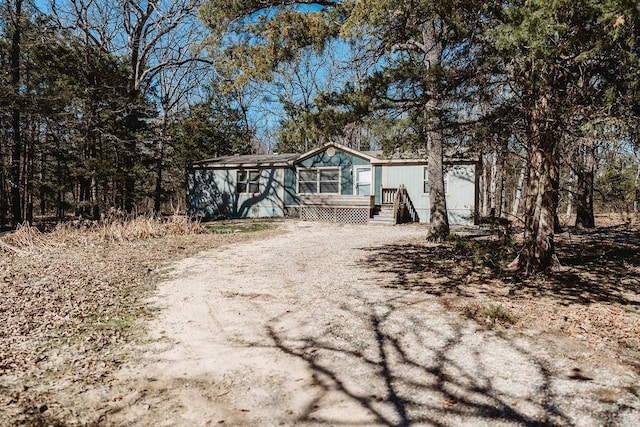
160, 158
493, 187
157, 203
16, 154
503, 189
16, 178
556, 204
569, 202
635, 184
538, 252
42, 191
485, 189
518, 196
584, 194
29, 178
438, 222
504, 153
4, 205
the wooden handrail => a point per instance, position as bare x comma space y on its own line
403, 208
396, 206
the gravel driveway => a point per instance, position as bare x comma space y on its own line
298, 329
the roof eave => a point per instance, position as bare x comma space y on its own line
420, 161
341, 147
205, 165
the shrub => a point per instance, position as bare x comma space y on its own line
491, 314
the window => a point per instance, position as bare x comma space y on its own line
321, 180
329, 180
308, 181
426, 181
363, 180
248, 181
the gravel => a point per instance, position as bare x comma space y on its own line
301, 329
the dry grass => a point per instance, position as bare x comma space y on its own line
113, 229
490, 314
73, 301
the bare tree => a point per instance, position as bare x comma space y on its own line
158, 40
178, 84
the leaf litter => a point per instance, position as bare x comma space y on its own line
73, 301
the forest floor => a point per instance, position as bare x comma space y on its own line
300, 323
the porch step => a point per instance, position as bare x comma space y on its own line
383, 216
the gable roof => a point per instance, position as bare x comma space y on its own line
289, 159
362, 154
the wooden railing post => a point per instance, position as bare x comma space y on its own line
396, 207
403, 203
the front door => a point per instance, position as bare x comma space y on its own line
363, 181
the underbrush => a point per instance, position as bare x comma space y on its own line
490, 314
487, 257
109, 230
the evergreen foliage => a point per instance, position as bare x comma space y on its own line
99, 115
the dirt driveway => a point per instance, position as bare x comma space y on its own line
298, 329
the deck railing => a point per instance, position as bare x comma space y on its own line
388, 195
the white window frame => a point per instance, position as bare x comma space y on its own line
317, 180
355, 178
425, 181
248, 182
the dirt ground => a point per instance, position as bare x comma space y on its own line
329, 324
310, 327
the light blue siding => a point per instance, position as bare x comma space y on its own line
290, 195
461, 194
342, 159
460, 189
215, 194
411, 176
377, 184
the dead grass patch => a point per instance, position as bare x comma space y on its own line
490, 314
74, 300
113, 229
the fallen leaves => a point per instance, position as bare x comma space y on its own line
71, 304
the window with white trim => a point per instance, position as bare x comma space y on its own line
319, 180
426, 181
248, 181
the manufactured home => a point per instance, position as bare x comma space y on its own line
330, 183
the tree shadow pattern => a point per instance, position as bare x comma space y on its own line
409, 367
598, 266
406, 365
